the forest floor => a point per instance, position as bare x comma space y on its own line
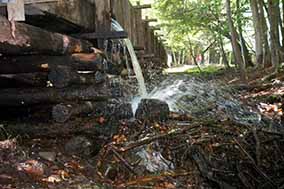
196, 149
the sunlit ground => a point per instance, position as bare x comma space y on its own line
192, 69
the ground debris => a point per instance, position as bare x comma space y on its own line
209, 153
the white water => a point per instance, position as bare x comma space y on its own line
135, 63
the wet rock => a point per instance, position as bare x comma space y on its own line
152, 109
80, 146
50, 156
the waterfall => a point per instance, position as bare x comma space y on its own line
136, 66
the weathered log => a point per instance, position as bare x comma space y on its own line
63, 112
32, 79
63, 76
26, 97
19, 38
30, 64
70, 129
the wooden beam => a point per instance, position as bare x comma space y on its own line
102, 18
151, 20
159, 35
105, 35
154, 28
80, 13
26, 2
145, 6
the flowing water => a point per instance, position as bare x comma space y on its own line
205, 99
193, 96
135, 63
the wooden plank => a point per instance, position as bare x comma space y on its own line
103, 18
16, 10
39, 1
127, 16
140, 29
79, 13
133, 25
105, 35
117, 11
51, 22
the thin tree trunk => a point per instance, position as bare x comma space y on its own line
258, 31
264, 35
273, 6
194, 58
174, 56
234, 41
224, 57
244, 49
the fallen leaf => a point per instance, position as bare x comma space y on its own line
32, 167
52, 179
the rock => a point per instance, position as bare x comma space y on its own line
80, 146
50, 156
152, 109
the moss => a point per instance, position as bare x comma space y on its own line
208, 70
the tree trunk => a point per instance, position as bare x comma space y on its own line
174, 57
193, 57
264, 35
224, 56
19, 38
245, 52
234, 41
273, 7
258, 31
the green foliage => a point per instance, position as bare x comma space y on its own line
208, 70
185, 21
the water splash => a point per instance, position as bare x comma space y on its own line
135, 63
201, 99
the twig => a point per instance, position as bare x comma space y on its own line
154, 138
153, 178
257, 147
253, 162
124, 161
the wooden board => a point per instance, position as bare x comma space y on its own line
52, 13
